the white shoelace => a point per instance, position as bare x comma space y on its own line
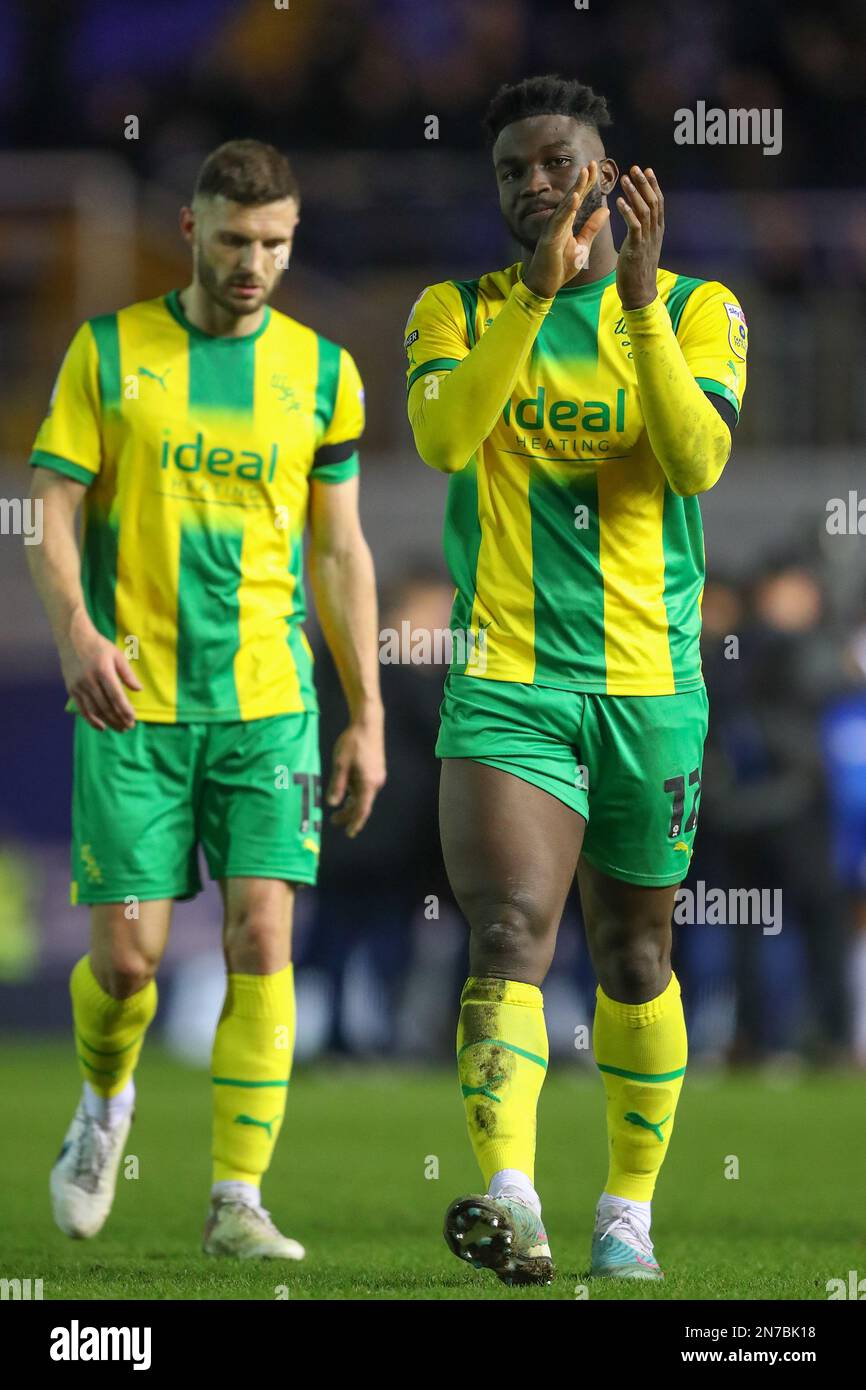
626, 1222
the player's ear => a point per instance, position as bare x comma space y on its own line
608, 175
187, 223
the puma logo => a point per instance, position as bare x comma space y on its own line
484, 1090
154, 376
263, 1124
635, 1119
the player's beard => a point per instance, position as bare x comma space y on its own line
210, 282
593, 200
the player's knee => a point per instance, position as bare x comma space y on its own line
126, 970
254, 940
634, 971
506, 936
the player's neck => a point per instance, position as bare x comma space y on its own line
209, 317
602, 260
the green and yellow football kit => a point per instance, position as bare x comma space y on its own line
197, 453
577, 436
578, 568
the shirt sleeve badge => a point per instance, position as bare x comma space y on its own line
738, 333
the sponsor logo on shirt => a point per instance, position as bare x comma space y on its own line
191, 456
566, 416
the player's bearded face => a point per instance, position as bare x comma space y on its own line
227, 287
241, 253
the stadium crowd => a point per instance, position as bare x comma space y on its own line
207, 70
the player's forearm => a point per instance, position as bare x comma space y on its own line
344, 589
688, 436
452, 415
55, 566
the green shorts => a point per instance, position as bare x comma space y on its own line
629, 764
249, 792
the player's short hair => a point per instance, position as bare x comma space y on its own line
544, 96
248, 172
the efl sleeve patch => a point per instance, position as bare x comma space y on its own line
738, 332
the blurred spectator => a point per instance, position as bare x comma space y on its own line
765, 804
844, 738
366, 73
371, 888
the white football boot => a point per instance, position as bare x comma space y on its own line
84, 1176
246, 1232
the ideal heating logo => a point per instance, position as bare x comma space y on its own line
581, 426
191, 456
593, 417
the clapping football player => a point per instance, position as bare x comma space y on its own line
581, 401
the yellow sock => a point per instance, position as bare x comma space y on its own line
641, 1052
252, 1061
501, 1062
109, 1032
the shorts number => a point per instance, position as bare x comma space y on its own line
677, 785
311, 797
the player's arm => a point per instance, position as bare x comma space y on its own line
686, 430
344, 589
67, 460
457, 392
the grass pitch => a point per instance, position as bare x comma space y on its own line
353, 1180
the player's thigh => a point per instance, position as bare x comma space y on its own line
643, 757
257, 924
510, 848
512, 810
133, 827
259, 799
127, 941
260, 822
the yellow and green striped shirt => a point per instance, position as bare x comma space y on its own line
197, 453
575, 564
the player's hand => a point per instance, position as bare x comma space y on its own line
93, 669
559, 254
643, 208
357, 774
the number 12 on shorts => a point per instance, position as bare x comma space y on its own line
677, 785
311, 799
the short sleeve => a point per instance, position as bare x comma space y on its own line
69, 439
713, 335
336, 458
436, 337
